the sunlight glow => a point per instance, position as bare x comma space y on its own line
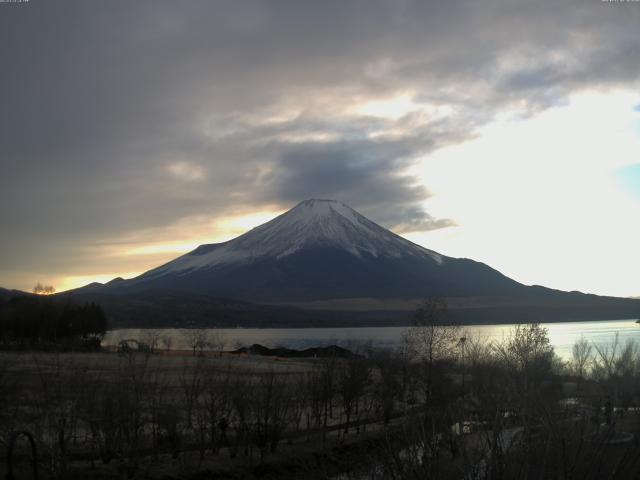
219, 231
392, 108
68, 283
233, 226
149, 254
160, 248
539, 199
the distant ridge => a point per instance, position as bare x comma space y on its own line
4, 292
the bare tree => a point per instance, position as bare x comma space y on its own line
581, 356
217, 341
167, 341
431, 339
300, 404
321, 384
268, 409
197, 339
216, 406
353, 379
392, 382
40, 289
191, 383
527, 350
606, 359
240, 396
152, 338
156, 398
9, 401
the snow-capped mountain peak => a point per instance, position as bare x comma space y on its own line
314, 209
312, 224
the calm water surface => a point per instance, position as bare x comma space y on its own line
562, 335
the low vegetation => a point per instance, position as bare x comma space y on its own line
444, 406
42, 322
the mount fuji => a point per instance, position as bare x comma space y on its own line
321, 250
323, 255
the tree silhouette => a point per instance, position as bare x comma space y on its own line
40, 289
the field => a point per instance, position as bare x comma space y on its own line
442, 407
156, 415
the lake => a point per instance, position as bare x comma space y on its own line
562, 335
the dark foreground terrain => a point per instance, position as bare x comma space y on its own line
445, 406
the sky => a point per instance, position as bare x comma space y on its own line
506, 132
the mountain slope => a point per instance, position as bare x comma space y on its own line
335, 267
320, 250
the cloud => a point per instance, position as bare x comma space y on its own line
125, 117
365, 173
186, 171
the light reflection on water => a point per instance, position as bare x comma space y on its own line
562, 335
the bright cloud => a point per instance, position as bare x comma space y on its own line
539, 198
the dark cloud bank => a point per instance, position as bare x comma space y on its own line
101, 100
